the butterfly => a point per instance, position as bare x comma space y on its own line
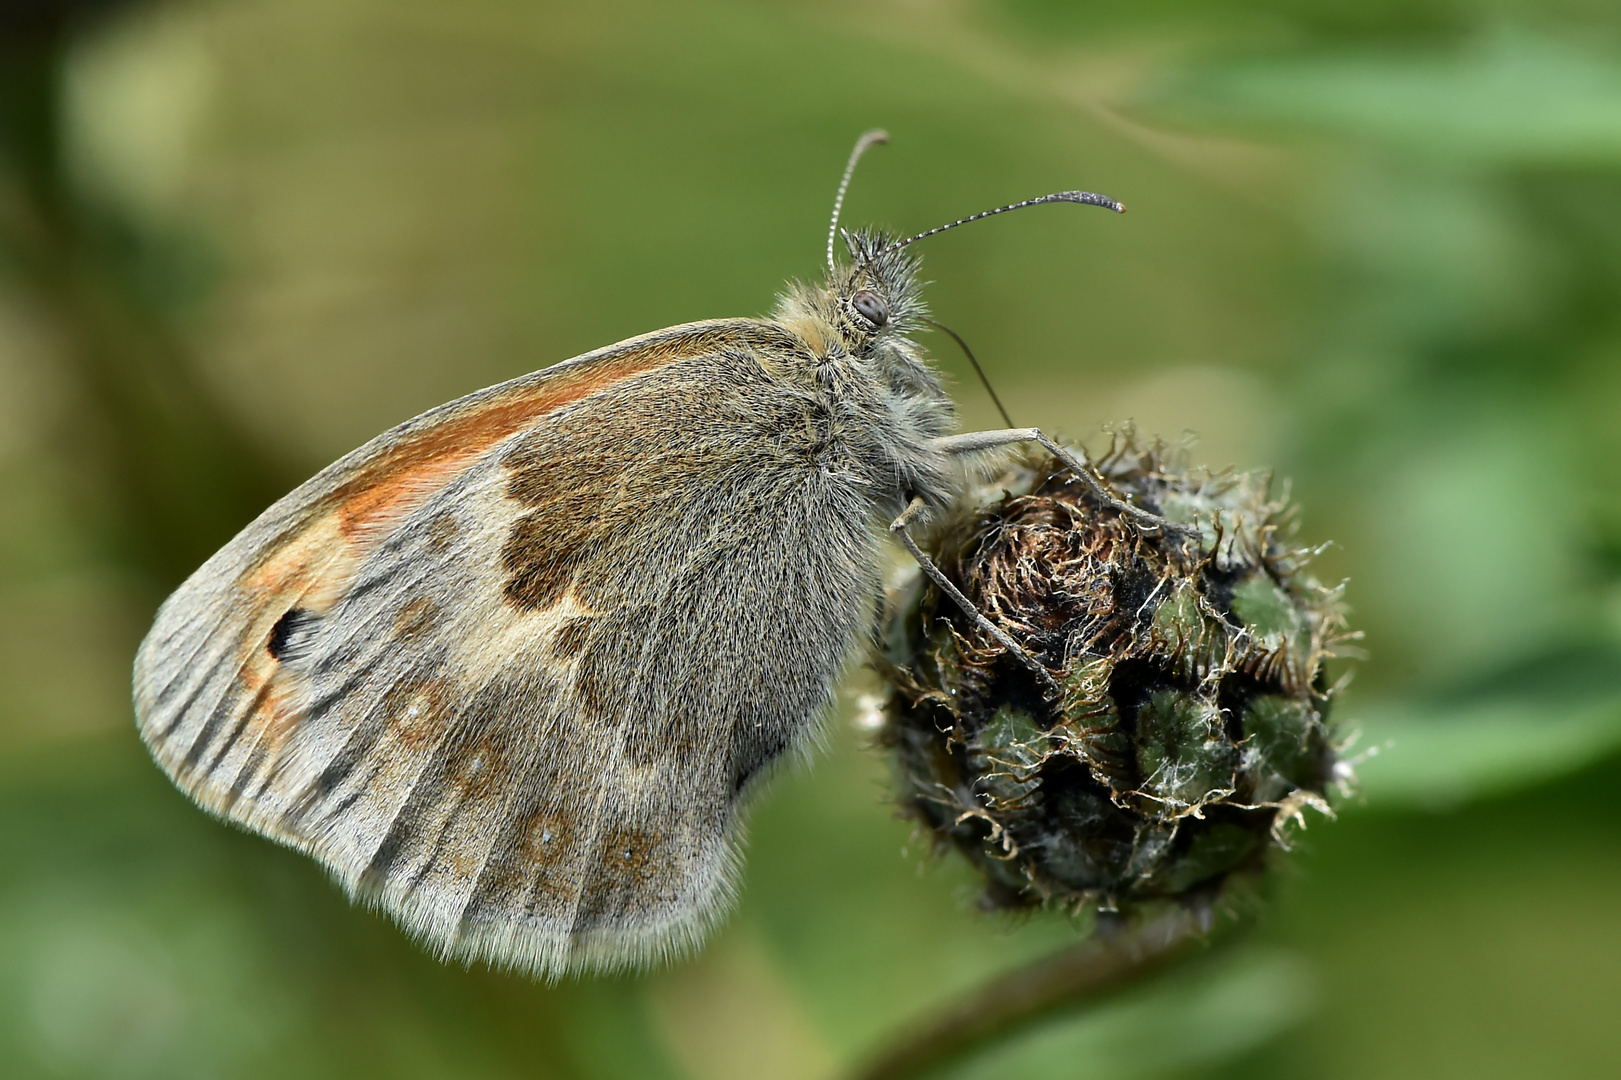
512, 669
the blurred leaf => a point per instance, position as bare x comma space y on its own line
1509, 97
1523, 729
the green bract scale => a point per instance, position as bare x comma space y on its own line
1186, 721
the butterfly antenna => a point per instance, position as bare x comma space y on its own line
1085, 198
863, 144
984, 381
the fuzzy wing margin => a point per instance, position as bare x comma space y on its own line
507, 669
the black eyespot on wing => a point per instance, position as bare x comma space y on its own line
288, 626
870, 306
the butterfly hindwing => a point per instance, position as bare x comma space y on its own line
508, 669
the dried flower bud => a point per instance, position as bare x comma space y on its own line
1189, 723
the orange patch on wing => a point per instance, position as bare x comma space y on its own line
389, 486
288, 568
315, 563
313, 566
278, 718
311, 570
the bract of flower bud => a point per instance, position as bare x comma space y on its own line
1187, 718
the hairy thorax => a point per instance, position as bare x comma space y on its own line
882, 405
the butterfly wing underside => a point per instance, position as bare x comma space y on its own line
507, 669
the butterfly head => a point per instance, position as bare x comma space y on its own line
866, 308
878, 289
875, 295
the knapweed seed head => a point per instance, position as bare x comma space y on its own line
1187, 719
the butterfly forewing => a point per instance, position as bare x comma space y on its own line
506, 671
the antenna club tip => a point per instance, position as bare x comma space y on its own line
876, 135
1085, 198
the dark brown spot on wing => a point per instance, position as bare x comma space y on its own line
632, 858
598, 677
537, 865
481, 766
417, 711
443, 531
571, 638
416, 618
636, 872
593, 480
542, 554
547, 836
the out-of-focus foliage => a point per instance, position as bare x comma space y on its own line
1376, 246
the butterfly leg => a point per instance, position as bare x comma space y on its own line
899, 527
971, 441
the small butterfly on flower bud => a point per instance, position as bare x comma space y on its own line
511, 669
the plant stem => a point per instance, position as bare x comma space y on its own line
1114, 958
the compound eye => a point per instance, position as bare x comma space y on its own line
870, 307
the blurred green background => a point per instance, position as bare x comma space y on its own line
1374, 245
